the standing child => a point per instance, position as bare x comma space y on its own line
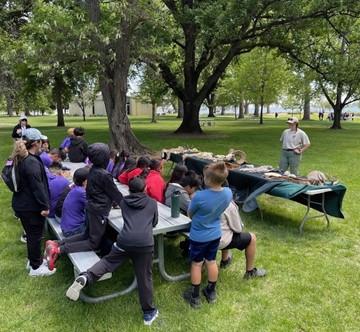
101, 192
233, 237
205, 210
136, 242
73, 210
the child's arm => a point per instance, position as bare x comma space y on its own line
193, 207
111, 190
156, 216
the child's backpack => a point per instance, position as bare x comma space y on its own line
11, 177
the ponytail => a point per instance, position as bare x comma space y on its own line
19, 152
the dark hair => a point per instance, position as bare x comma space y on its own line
46, 141
130, 164
30, 143
58, 152
79, 131
191, 180
136, 185
155, 164
178, 173
81, 175
143, 162
113, 154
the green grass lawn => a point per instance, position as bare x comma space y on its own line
313, 280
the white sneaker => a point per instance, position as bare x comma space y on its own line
74, 290
28, 264
41, 271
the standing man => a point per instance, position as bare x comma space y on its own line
20, 128
294, 143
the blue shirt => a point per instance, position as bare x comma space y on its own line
45, 158
65, 143
73, 211
206, 208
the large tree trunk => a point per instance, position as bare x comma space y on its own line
306, 105
241, 109
211, 100
222, 110
246, 110
93, 107
83, 110
153, 112
256, 110
261, 112
180, 109
190, 122
337, 117
58, 93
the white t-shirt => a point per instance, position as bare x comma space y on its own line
294, 139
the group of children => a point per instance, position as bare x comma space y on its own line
82, 208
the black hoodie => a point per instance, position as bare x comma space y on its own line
140, 215
101, 190
78, 150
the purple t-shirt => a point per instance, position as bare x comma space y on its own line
110, 166
45, 158
73, 211
57, 184
65, 143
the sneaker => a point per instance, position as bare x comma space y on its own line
52, 251
23, 238
149, 317
195, 302
74, 290
28, 264
210, 296
254, 273
225, 264
41, 271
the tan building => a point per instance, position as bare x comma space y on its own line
134, 107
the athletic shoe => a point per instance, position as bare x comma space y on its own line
210, 296
254, 273
41, 271
52, 251
23, 238
149, 317
28, 264
226, 263
195, 302
74, 290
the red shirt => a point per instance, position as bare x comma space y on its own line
133, 173
155, 186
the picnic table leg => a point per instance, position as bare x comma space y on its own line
305, 216
324, 211
97, 299
161, 263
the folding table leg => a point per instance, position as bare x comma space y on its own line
161, 262
305, 216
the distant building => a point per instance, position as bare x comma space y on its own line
133, 105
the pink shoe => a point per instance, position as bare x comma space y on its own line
52, 252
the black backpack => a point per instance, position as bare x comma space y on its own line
11, 177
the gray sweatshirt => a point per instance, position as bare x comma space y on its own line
184, 197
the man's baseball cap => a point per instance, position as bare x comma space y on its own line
292, 120
33, 134
23, 117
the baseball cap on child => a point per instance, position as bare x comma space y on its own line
292, 120
23, 117
33, 134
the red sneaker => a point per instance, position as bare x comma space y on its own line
52, 252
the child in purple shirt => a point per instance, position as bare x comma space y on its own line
73, 211
57, 184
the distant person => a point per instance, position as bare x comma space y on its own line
294, 143
20, 128
78, 148
135, 241
276, 115
352, 116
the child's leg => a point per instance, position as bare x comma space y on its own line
195, 273
213, 272
250, 252
108, 263
143, 270
225, 253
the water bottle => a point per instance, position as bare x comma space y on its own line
175, 204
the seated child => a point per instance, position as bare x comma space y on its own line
54, 156
73, 211
101, 192
78, 148
205, 211
233, 237
136, 242
67, 140
130, 164
177, 174
142, 165
111, 163
57, 184
187, 186
155, 184
119, 163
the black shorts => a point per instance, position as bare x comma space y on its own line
203, 250
239, 241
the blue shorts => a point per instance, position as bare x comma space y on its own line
201, 250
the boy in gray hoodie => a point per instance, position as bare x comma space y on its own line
136, 242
